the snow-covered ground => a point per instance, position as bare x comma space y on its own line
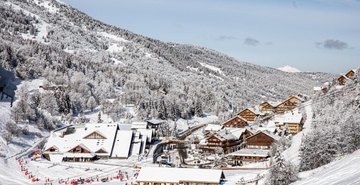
343, 171
292, 153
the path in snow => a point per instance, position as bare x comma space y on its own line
292, 153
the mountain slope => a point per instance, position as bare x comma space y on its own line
60, 39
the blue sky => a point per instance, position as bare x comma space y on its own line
310, 35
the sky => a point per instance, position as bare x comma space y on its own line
310, 35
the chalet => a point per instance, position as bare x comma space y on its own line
224, 139
261, 140
235, 122
248, 155
179, 176
351, 73
341, 80
288, 104
251, 113
292, 120
269, 106
247, 132
211, 128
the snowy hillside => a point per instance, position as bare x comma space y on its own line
289, 69
342, 171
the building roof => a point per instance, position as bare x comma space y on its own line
138, 125
212, 127
275, 137
122, 144
156, 121
289, 117
177, 175
67, 141
251, 152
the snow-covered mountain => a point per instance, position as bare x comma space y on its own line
94, 67
289, 69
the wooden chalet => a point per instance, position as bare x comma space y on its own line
261, 140
249, 155
342, 79
351, 73
268, 107
292, 120
235, 122
251, 113
246, 133
288, 104
223, 138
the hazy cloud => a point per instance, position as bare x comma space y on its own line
251, 41
269, 43
332, 44
225, 37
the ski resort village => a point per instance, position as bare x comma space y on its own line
85, 102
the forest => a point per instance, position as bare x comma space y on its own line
91, 66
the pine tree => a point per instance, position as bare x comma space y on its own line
99, 118
198, 108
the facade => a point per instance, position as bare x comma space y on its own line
350, 74
235, 122
179, 176
248, 155
250, 114
292, 120
341, 80
223, 138
288, 104
269, 107
261, 140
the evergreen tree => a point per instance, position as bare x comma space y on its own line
198, 108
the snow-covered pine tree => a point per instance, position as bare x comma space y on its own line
198, 108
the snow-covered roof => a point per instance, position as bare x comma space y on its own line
212, 127
122, 144
226, 134
81, 136
317, 88
288, 117
155, 121
250, 152
255, 110
138, 125
177, 175
125, 126
147, 133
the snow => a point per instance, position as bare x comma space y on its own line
213, 68
289, 69
114, 48
292, 153
41, 26
47, 5
114, 37
343, 171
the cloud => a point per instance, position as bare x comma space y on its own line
332, 44
269, 43
225, 37
251, 41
